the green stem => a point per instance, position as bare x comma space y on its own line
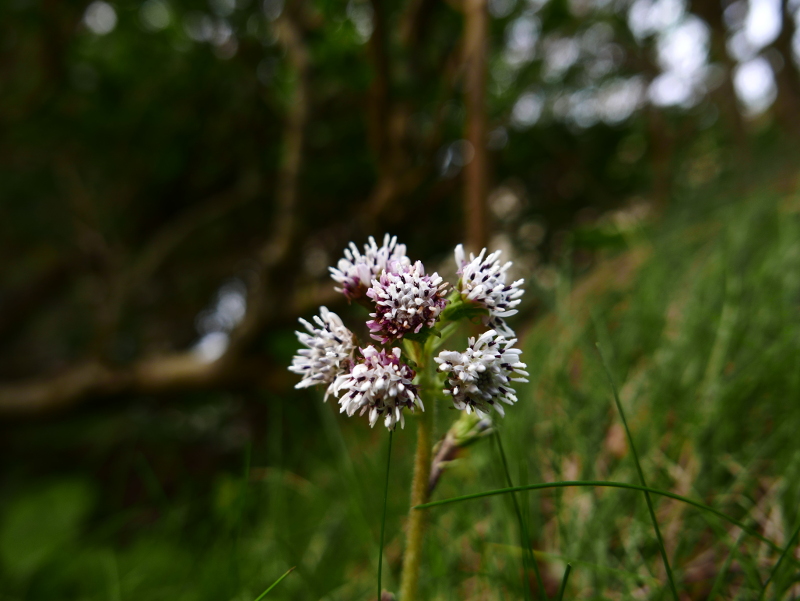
383, 519
527, 555
444, 334
409, 582
659, 538
274, 584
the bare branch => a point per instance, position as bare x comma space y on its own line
297, 117
185, 371
182, 371
476, 172
788, 78
179, 371
277, 250
412, 23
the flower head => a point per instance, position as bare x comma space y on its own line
480, 377
483, 282
406, 300
329, 353
355, 271
381, 384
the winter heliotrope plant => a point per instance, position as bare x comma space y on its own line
412, 314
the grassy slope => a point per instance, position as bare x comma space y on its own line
699, 320
706, 349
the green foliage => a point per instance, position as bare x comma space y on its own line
705, 343
701, 335
44, 524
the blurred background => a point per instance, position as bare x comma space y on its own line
176, 178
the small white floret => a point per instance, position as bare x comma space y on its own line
483, 282
480, 377
354, 273
381, 386
329, 354
406, 300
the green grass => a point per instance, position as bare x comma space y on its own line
699, 320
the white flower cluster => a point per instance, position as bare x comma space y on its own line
382, 385
356, 271
329, 353
480, 377
483, 282
407, 303
405, 300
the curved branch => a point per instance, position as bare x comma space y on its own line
178, 371
275, 254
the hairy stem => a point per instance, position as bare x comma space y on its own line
409, 584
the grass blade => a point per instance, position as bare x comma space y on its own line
606, 484
641, 478
604, 569
527, 555
276, 583
563, 586
719, 580
383, 519
780, 560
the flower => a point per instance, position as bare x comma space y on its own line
329, 353
381, 384
483, 281
405, 300
480, 376
355, 271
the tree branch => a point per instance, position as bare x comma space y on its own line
185, 370
178, 371
476, 179
787, 78
276, 252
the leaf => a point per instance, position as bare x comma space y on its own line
40, 523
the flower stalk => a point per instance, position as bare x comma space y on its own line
417, 520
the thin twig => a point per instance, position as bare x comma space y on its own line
476, 171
